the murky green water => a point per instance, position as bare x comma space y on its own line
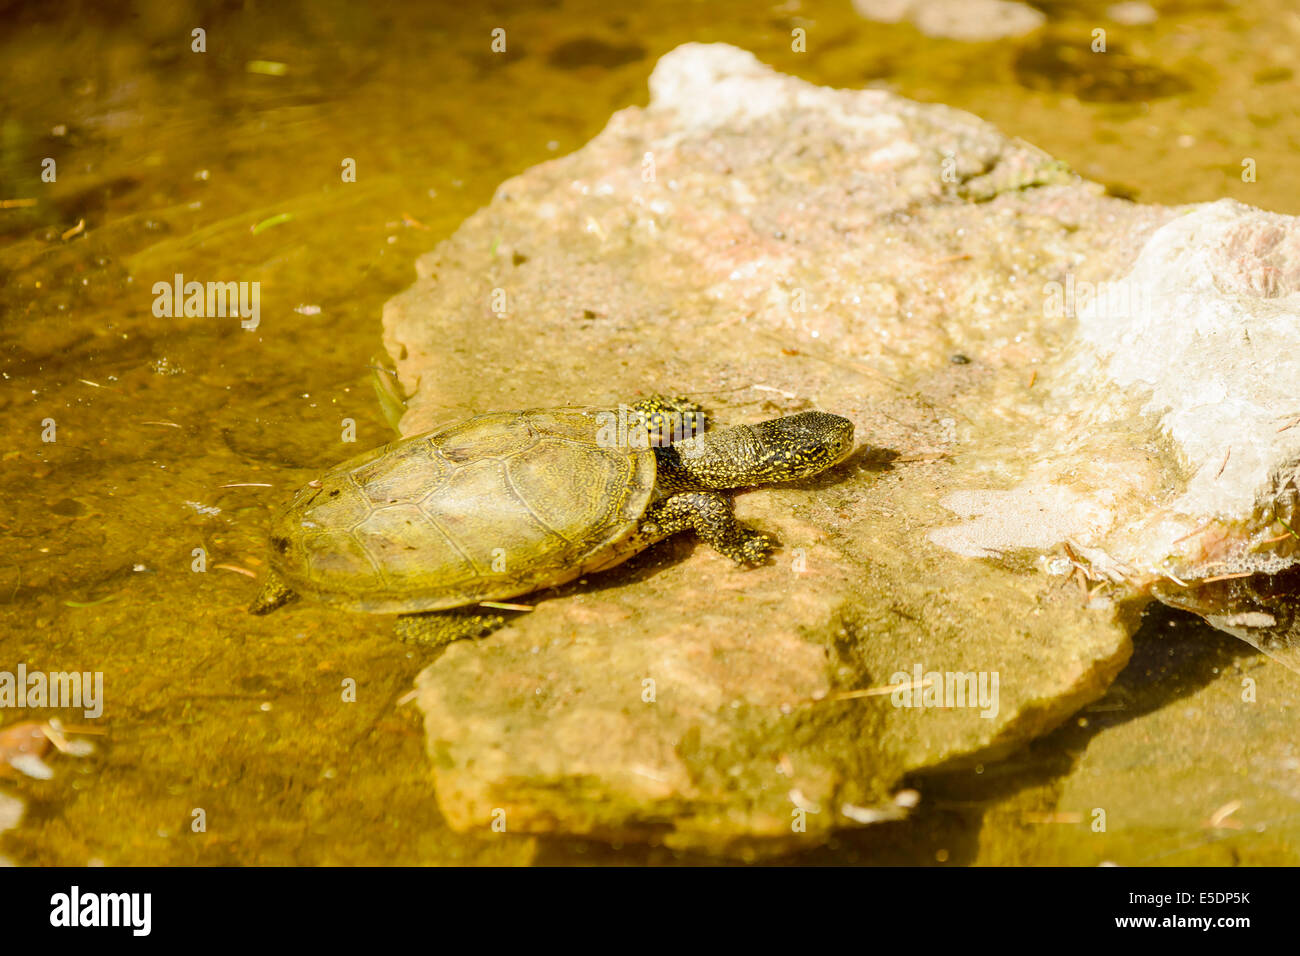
176, 434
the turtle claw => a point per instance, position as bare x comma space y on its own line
755, 549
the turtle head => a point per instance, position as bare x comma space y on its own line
799, 446
784, 449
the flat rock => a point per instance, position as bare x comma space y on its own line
768, 246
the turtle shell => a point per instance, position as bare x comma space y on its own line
485, 509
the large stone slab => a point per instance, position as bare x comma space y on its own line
768, 246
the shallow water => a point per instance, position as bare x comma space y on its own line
176, 434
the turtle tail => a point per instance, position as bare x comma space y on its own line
275, 593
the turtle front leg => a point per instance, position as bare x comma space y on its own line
710, 515
437, 628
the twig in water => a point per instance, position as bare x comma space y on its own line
1219, 818
236, 568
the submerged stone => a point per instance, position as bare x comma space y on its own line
970, 20
1190, 759
1064, 62
11, 814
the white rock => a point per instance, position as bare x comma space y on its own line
1175, 405
11, 812
1132, 14
974, 21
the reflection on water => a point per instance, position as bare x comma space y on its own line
143, 453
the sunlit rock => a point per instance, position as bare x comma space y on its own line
1169, 430
766, 246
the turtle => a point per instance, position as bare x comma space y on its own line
506, 503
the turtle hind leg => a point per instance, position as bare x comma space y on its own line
275, 593
436, 628
710, 515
